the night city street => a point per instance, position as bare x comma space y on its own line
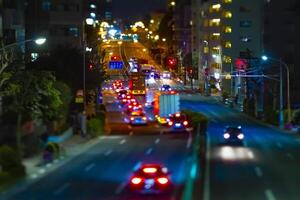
149, 100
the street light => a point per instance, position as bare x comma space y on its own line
281, 114
38, 41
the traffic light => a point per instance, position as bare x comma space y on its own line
171, 62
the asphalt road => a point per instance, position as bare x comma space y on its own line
265, 168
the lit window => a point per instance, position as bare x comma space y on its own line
205, 49
215, 50
215, 36
216, 65
215, 8
227, 14
214, 22
227, 1
227, 59
227, 29
227, 44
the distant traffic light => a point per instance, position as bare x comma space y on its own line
115, 57
171, 62
91, 66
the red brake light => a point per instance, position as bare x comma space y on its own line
131, 118
185, 123
163, 180
170, 123
130, 106
144, 118
136, 180
150, 170
140, 106
177, 115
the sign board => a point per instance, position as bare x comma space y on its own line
115, 64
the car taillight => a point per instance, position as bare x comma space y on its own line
170, 123
185, 123
130, 106
124, 100
144, 118
131, 118
136, 180
162, 180
149, 170
140, 106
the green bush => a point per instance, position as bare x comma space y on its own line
296, 117
95, 126
197, 118
9, 158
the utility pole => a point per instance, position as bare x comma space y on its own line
281, 114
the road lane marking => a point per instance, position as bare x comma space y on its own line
131, 133
157, 140
189, 141
290, 156
89, 167
279, 145
250, 154
149, 151
129, 126
156, 126
122, 141
61, 189
258, 171
269, 194
206, 193
107, 153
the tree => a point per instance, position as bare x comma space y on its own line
31, 95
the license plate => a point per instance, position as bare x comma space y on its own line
177, 124
149, 183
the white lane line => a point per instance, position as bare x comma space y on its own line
122, 141
269, 194
149, 151
89, 167
189, 141
290, 156
258, 171
279, 145
107, 153
157, 140
121, 187
206, 193
61, 189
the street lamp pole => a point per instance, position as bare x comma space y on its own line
281, 113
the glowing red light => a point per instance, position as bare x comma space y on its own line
185, 123
149, 170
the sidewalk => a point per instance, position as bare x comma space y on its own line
35, 169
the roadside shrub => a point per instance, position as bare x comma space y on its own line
296, 117
9, 158
95, 126
197, 118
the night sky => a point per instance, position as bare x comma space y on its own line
135, 9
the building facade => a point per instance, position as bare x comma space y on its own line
224, 32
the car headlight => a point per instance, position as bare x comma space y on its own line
226, 135
241, 136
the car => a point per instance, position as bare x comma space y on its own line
138, 118
150, 179
178, 121
122, 94
165, 88
233, 135
166, 75
133, 106
129, 98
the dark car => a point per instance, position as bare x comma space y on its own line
150, 179
165, 88
233, 135
178, 121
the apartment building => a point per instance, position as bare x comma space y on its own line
229, 30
